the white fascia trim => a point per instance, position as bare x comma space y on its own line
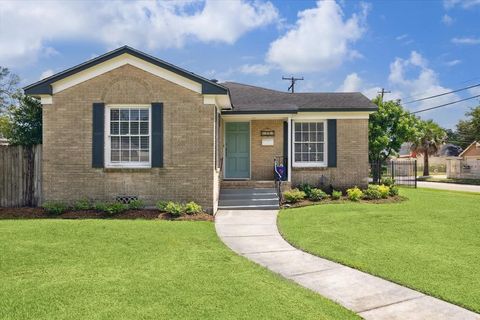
119, 61
220, 100
46, 99
247, 117
331, 115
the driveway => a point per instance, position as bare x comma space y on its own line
254, 235
448, 186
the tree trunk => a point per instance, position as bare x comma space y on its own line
426, 171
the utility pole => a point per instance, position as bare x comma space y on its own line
383, 91
292, 82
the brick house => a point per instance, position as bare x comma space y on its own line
129, 124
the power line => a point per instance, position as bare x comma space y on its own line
455, 84
383, 91
446, 104
292, 82
443, 94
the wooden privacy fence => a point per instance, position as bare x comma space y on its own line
20, 176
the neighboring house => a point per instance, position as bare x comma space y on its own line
437, 162
467, 164
128, 124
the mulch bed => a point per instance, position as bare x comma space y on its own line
305, 203
148, 214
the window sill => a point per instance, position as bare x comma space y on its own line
309, 165
145, 169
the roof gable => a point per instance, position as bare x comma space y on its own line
116, 58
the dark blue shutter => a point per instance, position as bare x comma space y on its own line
286, 156
157, 134
98, 135
332, 142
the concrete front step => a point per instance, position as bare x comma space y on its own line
248, 202
248, 191
248, 198
239, 184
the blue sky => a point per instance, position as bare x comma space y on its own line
412, 48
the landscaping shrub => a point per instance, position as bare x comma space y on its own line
372, 192
192, 208
384, 191
161, 205
354, 194
55, 207
173, 208
336, 195
305, 187
111, 208
394, 191
136, 204
388, 181
83, 204
317, 194
293, 195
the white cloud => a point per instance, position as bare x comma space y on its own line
452, 63
413, 79
47, 73
465, 4
320, 40
256, 69
401, 37
466, 40
352, 83
26, 27
447, 20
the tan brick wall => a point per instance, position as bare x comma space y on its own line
188, 172
262, 156
352, 159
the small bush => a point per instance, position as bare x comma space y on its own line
173, 208
83, 204
294, 195
111, 208
161, 205
336, 195
55, 207
394, 191
317, 194
388, 181
136, 204
372, 192
305, 187
354, 194
192, 208
384, 191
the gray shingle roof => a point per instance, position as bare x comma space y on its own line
252, 99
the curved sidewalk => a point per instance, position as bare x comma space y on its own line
254, 234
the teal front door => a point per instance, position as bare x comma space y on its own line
237, 150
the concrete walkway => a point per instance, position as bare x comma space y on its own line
254, 234
448, 186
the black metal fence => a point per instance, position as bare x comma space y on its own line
404, 172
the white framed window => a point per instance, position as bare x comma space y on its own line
310, 143
128, 140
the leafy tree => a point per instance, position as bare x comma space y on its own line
8, 88
389, 128
467, 130
22, 122
428, 141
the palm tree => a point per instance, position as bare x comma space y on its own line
430, 137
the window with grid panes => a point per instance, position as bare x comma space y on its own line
129, 136
309, 146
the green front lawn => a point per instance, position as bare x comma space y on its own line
452, 180
138, 269
430, 242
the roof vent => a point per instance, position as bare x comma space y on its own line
214, 80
